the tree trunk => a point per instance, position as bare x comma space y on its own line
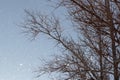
112, 31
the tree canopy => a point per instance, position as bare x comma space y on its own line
95, 53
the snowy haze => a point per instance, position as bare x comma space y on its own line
19, 56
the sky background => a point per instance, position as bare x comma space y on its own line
19, 56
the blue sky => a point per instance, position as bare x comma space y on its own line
19, 56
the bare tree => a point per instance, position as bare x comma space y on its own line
95, 54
